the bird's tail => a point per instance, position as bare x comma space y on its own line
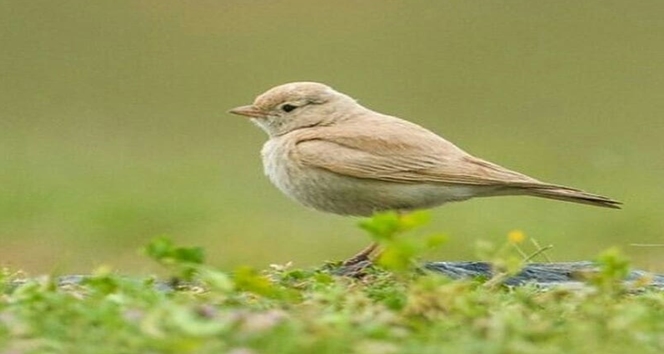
573, 195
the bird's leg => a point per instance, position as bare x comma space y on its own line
355, 265
364, 255
371, 250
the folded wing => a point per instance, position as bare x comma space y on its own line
385, 155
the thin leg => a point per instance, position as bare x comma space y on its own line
364, 255
356, 265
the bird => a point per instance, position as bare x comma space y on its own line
330, 153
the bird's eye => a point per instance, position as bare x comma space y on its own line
288, 107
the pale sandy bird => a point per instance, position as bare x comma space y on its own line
330, 153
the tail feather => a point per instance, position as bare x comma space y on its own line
575, 196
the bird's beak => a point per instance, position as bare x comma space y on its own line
248, 111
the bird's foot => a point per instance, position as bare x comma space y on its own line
355, 267
362, 256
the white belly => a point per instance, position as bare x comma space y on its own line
330, 192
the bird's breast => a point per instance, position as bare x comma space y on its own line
282, 167
277, 164
330, 192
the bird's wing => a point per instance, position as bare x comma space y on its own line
386, 155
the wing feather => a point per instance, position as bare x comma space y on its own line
385, 154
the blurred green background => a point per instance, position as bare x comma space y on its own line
113, 123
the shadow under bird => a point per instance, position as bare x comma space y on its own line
330, 153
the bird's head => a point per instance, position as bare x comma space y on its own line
296, 105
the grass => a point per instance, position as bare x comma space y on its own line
391, 309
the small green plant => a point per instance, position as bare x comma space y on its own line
613, 269
183, 262
400, 251
509, 258
258, 283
